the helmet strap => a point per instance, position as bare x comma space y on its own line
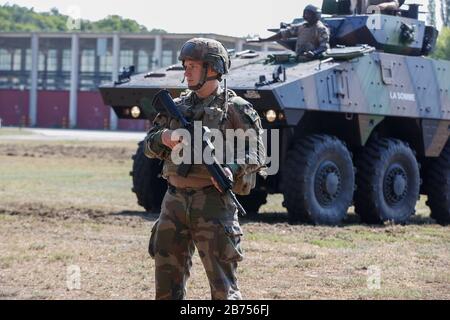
204, 78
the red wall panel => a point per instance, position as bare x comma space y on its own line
53, 109
14, 106
133, 125
92, 113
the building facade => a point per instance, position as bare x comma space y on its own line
51, 79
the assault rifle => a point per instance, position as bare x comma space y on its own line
215, 169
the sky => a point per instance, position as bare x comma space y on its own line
231, 17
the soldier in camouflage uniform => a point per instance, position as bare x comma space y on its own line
313, 36
194, 213
384, 6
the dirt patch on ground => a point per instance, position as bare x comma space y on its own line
38, 248
74, 214
41, 239
63, 151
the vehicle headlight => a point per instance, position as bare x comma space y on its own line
135, 112
271, 115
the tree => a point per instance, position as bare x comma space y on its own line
114, 23
16, 18
442, 50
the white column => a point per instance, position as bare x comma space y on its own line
157, 54
113, 120
265, 47
34, 79
73, 106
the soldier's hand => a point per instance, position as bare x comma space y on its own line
309, 54
171, 138
229, 175
253, 40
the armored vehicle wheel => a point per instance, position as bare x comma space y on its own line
148, 186
254, 200
318, 180
388, 182
438, 186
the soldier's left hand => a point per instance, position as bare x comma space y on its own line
229, 175
310, 54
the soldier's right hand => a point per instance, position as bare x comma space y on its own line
254, 40
309, 54
171, 138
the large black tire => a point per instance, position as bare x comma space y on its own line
438, 186
148, 185
318, 180
388, 181
253, 201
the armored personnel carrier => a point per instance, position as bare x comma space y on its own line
367, 125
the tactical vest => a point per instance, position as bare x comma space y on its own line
210, 115
307, 38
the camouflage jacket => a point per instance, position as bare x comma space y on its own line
240, 115
314, 38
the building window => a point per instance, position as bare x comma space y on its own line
67, 60
167, 58
106, 63
41, 62
86, 84
17, 60
126, 58
28, 59
52, 60
143, 60
88, 60
5, 60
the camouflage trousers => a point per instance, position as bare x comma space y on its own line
201, 219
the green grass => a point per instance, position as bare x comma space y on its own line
84, 183
391, 293
37, 246
7, 261
270, 237
60, 256
282, 261
333, 243
5, 131
6, 218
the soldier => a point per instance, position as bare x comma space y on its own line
383, 6
312, 35
194, 213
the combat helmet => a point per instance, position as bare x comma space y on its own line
317, 13
211, 52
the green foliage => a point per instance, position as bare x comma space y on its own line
442, 50
17, 18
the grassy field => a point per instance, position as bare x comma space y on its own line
66, 204
6, 131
